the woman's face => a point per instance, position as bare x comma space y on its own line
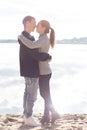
40, 29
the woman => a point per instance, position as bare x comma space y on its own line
44, 43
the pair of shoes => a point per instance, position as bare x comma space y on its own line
31, 121
45, 119
55, 116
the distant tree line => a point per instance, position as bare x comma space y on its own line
82, 40
8, 41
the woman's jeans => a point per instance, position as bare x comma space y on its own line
44, 86
30, 95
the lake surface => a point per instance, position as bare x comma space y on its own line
68, 82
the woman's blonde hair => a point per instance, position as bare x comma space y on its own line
46, 24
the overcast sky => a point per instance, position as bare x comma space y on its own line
67, 17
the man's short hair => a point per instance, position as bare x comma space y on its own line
27, 18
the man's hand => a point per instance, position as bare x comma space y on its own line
50, 58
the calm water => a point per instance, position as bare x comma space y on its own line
68, 83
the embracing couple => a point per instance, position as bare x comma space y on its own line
35, 68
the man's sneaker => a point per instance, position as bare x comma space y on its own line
31, 121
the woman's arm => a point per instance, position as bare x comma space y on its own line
32, 44
35, 54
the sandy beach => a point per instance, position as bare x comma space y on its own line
66, 122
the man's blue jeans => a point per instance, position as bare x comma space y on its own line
30, 95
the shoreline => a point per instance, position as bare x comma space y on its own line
66, 122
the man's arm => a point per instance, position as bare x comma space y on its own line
40, 56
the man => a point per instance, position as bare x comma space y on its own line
29, 69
